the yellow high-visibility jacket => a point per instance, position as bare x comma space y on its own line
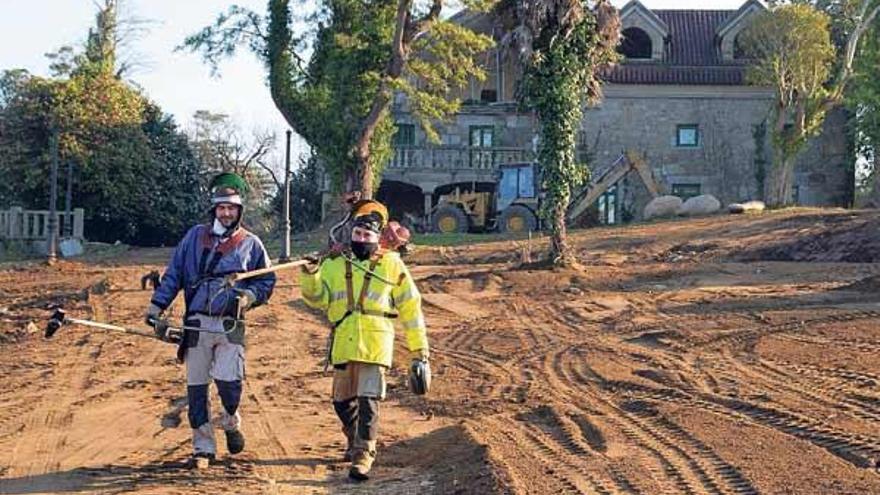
364, 314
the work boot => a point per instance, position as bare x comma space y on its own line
362, 460
234, 441
201, 460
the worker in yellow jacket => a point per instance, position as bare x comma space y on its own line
363, 293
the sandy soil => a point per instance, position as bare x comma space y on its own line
724, 355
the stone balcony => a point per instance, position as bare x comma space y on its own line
448, 158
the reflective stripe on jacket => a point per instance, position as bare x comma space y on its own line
366, 334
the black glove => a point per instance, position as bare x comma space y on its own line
420, 376
160, 328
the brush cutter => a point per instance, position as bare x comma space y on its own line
174, 333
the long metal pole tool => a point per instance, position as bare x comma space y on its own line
59, 318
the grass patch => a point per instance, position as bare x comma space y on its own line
468, 239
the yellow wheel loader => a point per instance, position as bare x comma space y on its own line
513, 207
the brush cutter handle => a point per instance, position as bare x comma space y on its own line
235, 277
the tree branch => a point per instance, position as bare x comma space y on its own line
422, 25
864, 22
271, 172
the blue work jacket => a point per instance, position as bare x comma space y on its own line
199, 265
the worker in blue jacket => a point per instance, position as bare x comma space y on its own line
200, 262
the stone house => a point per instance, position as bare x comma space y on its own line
679, 97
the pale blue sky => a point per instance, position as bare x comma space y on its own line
179, 82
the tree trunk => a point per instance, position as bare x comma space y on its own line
363, 180
382, 99
781, 182
560, 250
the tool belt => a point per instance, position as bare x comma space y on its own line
233, 329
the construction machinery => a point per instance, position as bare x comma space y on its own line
513, 206
626, 162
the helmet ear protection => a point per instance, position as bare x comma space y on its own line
395, 236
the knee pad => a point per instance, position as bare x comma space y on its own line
230, 394
197, 400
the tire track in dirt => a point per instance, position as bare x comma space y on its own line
743, 336
664, 471
693, 467
586, 399
689, 463
859, 450
818, 391
562, 436
852, 344
45, 428
843, 375
271, 443
584, 481
555, 480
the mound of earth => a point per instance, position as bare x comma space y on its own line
826, 240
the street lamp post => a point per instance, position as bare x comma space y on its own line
285, 254
53, 196
68, 202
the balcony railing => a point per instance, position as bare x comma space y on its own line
457, 157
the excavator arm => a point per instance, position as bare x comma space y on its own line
627, 161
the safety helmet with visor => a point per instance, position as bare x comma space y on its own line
227, 189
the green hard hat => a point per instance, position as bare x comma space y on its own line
229, 180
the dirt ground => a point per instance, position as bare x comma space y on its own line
723, 355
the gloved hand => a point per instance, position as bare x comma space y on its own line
420, 355
154, 318
245, 299
153, 314
314, 263
420, 373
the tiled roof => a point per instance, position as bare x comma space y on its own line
665, 74
691, 55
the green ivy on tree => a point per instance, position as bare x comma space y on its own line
362, 52
562, 45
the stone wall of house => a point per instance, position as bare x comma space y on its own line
732, 145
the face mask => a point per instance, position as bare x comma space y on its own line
363, 250
218, 229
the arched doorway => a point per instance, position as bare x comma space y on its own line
405, 202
